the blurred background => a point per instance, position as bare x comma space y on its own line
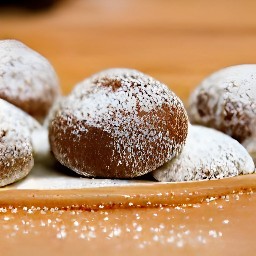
178, 42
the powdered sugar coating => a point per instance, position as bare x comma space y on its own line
207, 154
16, 159
16, 129
131, 123
15, 117
27, 79
226, 100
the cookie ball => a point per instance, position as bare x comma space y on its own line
208, 154
226, 101
119, 123
27, 79
16, 150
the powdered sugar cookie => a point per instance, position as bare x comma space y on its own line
16, 151
27, 79
208, 154
226, 100
118, 123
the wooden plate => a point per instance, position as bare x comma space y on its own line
51, 185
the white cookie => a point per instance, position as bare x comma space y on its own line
207, 154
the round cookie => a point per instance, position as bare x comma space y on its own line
16, 159
226, 101
27, 79
16, 151
208, 154
119, 123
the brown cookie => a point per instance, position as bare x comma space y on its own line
27, 79
208, 154
226, 101
119, 123
16, 128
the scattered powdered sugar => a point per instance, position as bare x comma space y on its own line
44, 178
207, 154
134, 109
226, 100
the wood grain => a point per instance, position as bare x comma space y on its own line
178, 42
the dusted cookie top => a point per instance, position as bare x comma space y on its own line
27, 79
118, 123
208, 154
226, 100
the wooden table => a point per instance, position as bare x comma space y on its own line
177, 42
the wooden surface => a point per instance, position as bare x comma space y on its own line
215, 228
178, 42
